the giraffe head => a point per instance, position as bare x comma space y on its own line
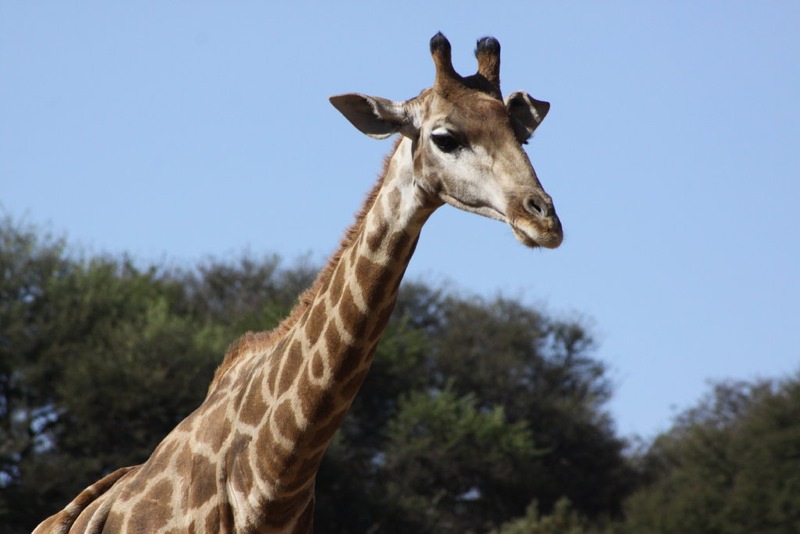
467, 142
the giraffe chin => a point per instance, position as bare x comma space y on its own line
535, 239
524, 239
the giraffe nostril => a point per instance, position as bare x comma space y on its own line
539, 207
533, 207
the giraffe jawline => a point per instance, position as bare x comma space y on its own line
524, 238
485, 210
526, 233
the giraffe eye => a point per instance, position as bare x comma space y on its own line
446, 142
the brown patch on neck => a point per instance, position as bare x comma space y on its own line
251, 341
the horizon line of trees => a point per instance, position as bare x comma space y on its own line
478, 415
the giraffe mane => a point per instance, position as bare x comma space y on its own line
255, 341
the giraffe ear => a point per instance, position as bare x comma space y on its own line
527, 113
377, 117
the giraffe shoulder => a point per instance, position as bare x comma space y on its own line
61, 522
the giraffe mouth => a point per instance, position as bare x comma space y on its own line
532, 230
545, 232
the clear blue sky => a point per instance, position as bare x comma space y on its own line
180, 130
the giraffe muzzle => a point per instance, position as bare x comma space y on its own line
536, 224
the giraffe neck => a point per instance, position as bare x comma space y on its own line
311, 378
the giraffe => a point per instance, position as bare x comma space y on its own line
246, 459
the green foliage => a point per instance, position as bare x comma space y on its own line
453, 462
98, 364
730, 465
472, 408
28, 265
540, 370
563, 520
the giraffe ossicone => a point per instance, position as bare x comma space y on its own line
246, 459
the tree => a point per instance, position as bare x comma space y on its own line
455, 381
540, 370
563, 520
28, 263
472, 408
731, 464
451, 466
97, 367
